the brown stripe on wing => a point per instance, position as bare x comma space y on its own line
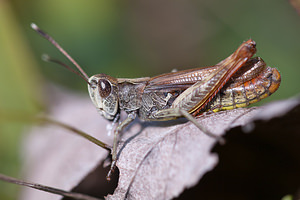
201, 93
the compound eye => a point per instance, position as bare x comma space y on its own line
104, 87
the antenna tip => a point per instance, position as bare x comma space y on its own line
46, 57
34, 26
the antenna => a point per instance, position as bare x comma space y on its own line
47, 58
50, 39
45, 188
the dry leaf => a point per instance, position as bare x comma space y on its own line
156, 160
296, 5
56, 157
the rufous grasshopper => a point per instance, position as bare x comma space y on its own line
237, 81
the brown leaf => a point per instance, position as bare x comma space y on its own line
296, 5
156, 160
56, 157
160, 163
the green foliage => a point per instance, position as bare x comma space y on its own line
287, 197
19, 89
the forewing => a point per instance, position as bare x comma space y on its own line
178, 81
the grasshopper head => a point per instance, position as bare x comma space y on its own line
103, 91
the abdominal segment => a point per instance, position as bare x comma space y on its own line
236, 96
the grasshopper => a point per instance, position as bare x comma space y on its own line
237, 81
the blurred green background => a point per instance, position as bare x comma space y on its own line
130, 39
